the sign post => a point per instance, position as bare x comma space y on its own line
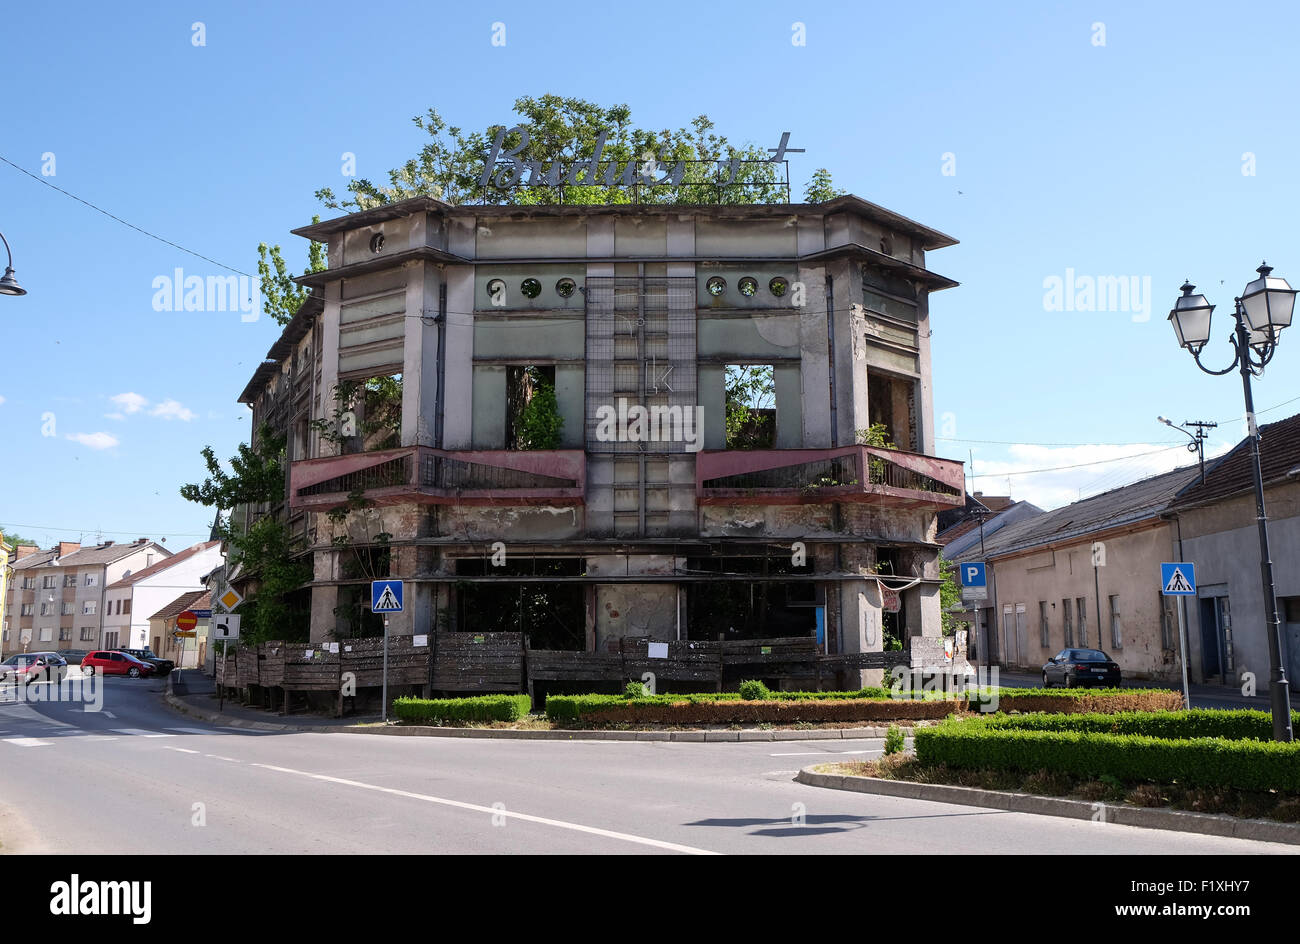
1179, 580
386, 597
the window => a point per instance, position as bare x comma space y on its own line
47, 633
67, 607
91, 580
126, 606
1069, 625
891, 403
69, 580
87, 634
1168, 621
65, 634
533, 418
6, 635
1043, 639
110, 640
28, 609
1082, 603
1115, 637
29, 583
47, 609
49, 582
750, 396
88, 608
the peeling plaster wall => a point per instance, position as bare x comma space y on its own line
646, 609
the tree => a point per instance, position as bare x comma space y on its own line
821, 188
281, 296
13, 539
540, 421
750, 398
949, 597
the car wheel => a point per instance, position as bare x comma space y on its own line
133, 672
1046, 682
1067, 680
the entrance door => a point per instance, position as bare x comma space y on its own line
1216, 638
1022, 632
1009, 635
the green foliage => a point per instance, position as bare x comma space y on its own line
754, 691
821, 188
1244, 764
540, 421
877, 434
450, 163
894, 741
750, 391
257, 475
281, 296
13, 539
481, 708
1234, 725
635, 690
378, 403
949, 596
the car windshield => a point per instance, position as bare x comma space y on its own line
1090, 655
18, 660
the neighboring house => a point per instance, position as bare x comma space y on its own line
1226, 628
132, 599
1088, 575
403, 383
6, 551
59, 593
964, 533
187, 653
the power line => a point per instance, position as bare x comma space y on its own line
138, 229
1078, 465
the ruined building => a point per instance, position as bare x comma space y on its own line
586, 423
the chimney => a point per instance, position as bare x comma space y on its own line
107, 544
67, 547
25, 550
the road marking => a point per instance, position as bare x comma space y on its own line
192, 730
183, 750
27, 742
233, 760
109, 714
140, 732
819, 753
495, 811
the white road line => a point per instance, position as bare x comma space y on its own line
183, 750
824, 753
233, 760
109, 714
191, 731
141, 732
495, 811
27, 742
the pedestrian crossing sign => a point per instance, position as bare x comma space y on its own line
1178, 579
386, 596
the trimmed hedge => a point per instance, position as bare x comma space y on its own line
687, 709
479, 708
1244, 764
1102, 700
1234, 725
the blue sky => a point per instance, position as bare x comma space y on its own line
1122, 159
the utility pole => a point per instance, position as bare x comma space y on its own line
1197, 445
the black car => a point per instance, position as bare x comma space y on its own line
1077, 667
28, 667
161, 666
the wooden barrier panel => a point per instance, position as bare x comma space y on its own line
309, 668
270, 668
571, 666
364, 657
478, 662
246, 666
687, 660
227, 670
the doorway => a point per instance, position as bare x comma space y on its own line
1216, 639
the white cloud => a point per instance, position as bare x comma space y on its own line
173, 410
1075, 472
114, 416
2, 401
130, 402
94, 440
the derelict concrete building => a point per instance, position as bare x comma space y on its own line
404, 387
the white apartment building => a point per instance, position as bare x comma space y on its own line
136, 595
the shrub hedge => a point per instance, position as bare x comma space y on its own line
1101, 700
479, 708
697, 709
1244, 764
1235, 725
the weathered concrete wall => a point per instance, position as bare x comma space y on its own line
518, 523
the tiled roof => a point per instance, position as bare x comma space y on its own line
195, 600
1279, 453
1131, 503
106, 553
39, 559
163, 564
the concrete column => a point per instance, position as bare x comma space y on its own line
324, 598
860, 626
329, 362
420, 354
814, 363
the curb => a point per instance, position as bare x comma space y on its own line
415, 730
1176, 820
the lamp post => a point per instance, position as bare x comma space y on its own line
1197, 445
8, 283
1261, 312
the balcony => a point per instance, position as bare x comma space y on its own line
886, 477
441, 477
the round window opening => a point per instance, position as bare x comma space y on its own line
565, 287
496, 290
748, 286
377, 242
716, 285
531, 288
778, 286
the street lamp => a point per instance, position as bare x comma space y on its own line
1261, 312
8, 283
1197, 444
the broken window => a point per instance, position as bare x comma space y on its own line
551, 614
891, 403
533, 418
750, 396
367, 415
755, 595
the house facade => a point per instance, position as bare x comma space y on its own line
715, 373
1216, 522
1087, 575
130, 601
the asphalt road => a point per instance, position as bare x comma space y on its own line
135, 777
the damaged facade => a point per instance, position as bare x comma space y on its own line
404, 385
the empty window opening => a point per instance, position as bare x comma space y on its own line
533, 418
891, 403
750, 397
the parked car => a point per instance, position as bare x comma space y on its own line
116, 663
73, 656
160, 665
1075, 667
28, 667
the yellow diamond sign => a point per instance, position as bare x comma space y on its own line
230, 599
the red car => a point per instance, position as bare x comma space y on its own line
33, 666
115, 663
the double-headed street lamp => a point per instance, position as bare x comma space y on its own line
1262, 311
